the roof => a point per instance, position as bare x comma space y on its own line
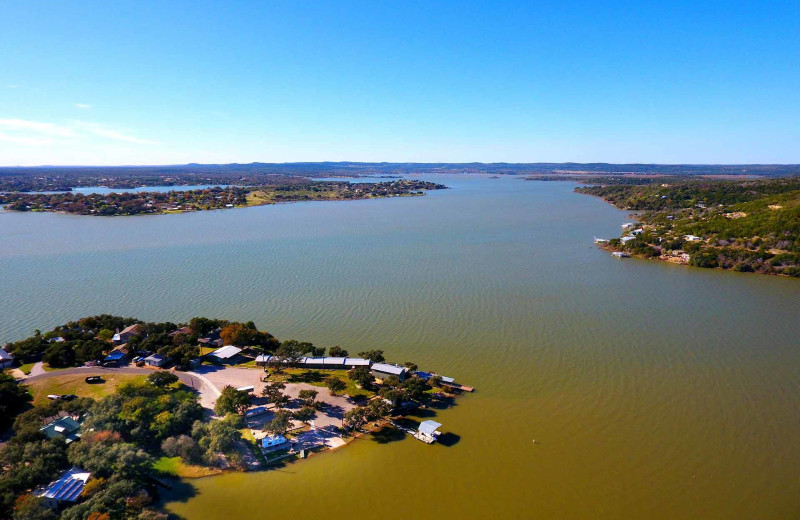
354, 361
69, 487
5, 356
65, 427
272, 440
333, 361
132, 329
155, 357
428, 427
115, 355
389, 369
182, 330
263, 358
226, 352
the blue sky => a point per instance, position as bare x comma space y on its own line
99, 82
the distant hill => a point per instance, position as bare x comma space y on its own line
359, 168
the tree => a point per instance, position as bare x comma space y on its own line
13, 399
238, 334
355, 417
376, 356
59, 355
162, 378
105, 334
362, 376
274, 392
435, 380
415, 387
232, 401
308, 396
412, 367
335, 385
30, 507
337, 351
305, 413
280, 422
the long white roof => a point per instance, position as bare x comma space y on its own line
226, 352
388, 369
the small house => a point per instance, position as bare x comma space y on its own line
627, 225
274, 444
263, 360
384, 370
6, 359
67, 489
692, 238
65, 427
123, 336
627, 239
212, 339
115, 357
183, 330
428, 431
155, 360
225, 354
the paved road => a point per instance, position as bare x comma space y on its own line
208, 392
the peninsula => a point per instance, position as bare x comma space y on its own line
154, 202
743, 225
110, 408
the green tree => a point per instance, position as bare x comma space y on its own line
308, 397
362, 375
376, 356
232, 401
280, 422
13, 399
335, 385
415, 387
274, 393
337, 351
162, 378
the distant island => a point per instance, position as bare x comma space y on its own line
106, 409
743, 225
177, 201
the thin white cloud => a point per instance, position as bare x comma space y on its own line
25, 132
35, 127
83, 105
110, 133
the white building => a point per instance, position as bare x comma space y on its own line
6, 359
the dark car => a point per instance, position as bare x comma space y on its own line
69, 397
94, 379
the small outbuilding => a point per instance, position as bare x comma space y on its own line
155, 360
428, 431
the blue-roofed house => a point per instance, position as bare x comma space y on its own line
65, 427
274, 445
67, 489
114, 357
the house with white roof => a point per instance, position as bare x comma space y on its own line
225, 354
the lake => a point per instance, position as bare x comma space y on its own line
653, 390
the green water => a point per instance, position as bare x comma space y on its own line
653, 390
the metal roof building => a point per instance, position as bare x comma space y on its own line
225, 353
382, 370
429, 428
68, 488
65, 427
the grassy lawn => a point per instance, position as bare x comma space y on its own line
175, 466
26, 368
317, 378
75, 384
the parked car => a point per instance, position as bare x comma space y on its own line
94, 379
54, 397
69, 397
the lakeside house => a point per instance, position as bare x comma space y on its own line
274, 445
6, 359
428, 431
384, 370
65, 427
627, 225
123, 336
226, 354
627, 239
155, 360
67, 489
692, 238
115, 357
212, 339
183, 330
